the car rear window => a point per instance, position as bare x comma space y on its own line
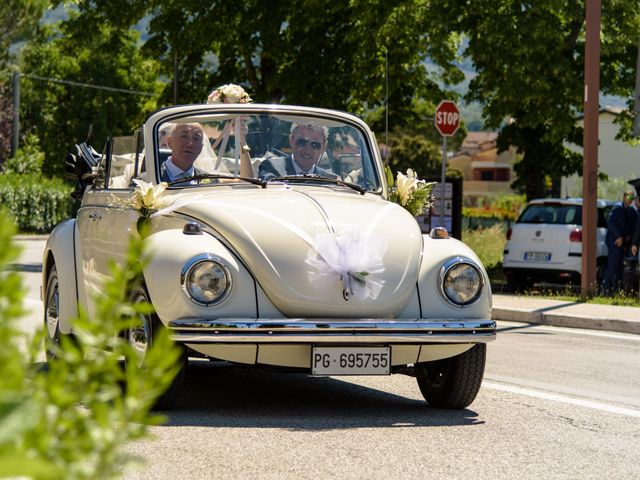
554, 214
559, 214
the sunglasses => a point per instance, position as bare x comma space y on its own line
630, 197
303, 142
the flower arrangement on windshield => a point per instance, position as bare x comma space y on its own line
229, 93
409, 191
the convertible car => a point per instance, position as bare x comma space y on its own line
278, 251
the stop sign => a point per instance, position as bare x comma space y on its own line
447, 118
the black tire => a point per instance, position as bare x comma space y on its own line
453, 382
141, 338
601, 267
53, 341
518, 284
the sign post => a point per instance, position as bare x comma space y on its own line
447, 120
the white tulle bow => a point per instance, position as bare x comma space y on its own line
352, 258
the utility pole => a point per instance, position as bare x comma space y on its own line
636, 113
15, 139
590, 148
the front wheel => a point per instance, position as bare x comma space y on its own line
140, 337
453, 382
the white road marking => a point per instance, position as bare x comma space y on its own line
578, 331
555, 397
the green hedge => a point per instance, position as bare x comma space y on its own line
36, 203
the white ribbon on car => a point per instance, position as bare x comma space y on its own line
352, 258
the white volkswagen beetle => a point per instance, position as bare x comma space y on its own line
278, 248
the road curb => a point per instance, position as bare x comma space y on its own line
565, 320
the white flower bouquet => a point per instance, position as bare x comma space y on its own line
147, 199
409, 191
230, 93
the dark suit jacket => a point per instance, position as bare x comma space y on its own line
635, 239
282, 166
164, 174
616, 225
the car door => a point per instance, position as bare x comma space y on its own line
104, 221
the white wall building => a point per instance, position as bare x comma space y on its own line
616, 158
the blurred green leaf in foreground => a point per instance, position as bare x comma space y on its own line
73, 419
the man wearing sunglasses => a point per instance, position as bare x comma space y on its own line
617, 235
308, 143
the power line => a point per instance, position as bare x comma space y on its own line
86, 85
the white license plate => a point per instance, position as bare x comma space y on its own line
350, 360
537, 256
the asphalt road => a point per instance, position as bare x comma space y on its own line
555, 403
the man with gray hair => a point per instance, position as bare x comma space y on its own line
308, 144
185, 141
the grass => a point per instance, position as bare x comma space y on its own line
488, 244
620, 299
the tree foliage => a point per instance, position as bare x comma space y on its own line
308, 52
18, 19
529, 57
62, 114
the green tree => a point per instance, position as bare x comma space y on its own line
61, 114
309, 52
529, 58
18, 20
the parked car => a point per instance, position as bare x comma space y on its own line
545, 243
314, 273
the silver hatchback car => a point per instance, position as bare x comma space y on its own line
545, 243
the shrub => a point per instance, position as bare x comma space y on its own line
35, 203
487, 243
502, 207
73, 420
28, 159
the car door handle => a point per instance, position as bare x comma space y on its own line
95, 216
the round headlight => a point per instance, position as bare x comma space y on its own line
206, 280
461, 282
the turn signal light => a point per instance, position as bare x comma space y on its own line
575, 235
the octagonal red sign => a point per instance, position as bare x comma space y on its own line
447, 118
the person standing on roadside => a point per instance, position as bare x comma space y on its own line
617, 233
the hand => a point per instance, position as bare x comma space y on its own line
618, 241
634, 250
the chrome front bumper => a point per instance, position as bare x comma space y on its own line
324, 331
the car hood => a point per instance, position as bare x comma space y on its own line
318, 251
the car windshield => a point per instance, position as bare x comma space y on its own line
270, 146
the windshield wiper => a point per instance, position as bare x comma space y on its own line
216, 176
319, 178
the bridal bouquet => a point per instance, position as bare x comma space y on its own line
409, 191
230, 93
